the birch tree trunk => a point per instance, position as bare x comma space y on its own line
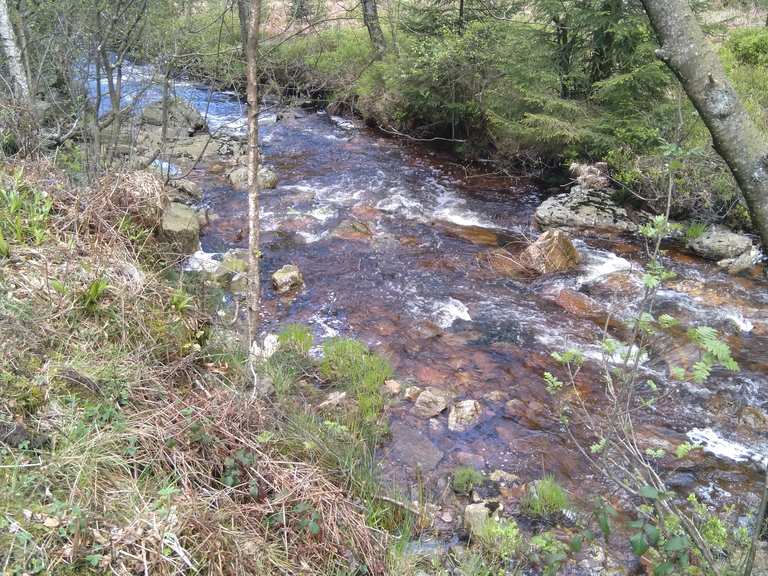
12, 53
686, 51
371, 20
254, 159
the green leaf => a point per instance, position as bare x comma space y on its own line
663, 569
652, 533
649, 492
638, 543
676, 544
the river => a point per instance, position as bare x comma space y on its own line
390, 238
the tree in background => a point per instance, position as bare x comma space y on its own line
18, 75
371, 20
735, 136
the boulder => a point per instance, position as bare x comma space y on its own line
719, 243
586, 208
181, 115
239, 178
742, 262
430, 402
180, 227
464, 415
552, 252
287, 279
184, 191
392, 387
233, 263
411, 447
475, 517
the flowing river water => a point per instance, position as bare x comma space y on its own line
390, 238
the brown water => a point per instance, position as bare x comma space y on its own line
409, 279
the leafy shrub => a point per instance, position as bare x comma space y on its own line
545, 498
465, 478
750, 45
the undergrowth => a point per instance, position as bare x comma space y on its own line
130, 440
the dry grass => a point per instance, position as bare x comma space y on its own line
152, 458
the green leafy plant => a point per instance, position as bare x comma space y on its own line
465, 478
296, 338
544, 498
93, 294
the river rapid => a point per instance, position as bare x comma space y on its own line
391, 237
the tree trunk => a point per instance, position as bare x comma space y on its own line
252, 71
244, 15
371, 20
735, 136
12, 53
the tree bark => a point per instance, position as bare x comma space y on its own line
244, 15
735, 136
254, 159
371, 20
12, 53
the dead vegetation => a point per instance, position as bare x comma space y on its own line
129, 443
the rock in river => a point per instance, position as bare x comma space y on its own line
287, 278
430, 403
585, 208
239, 178
464, 415
719, 243
553, 251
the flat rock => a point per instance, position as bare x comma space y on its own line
585, 208
411, 447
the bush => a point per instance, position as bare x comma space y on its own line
545, 498
750, 46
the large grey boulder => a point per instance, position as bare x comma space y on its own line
239, 178
430, 403
586, 208
718, 243
181, 227
182, 116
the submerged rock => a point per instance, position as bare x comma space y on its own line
411, 447
586, 208
464, 415
287, 279
718, 243
181, 227
352, 230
